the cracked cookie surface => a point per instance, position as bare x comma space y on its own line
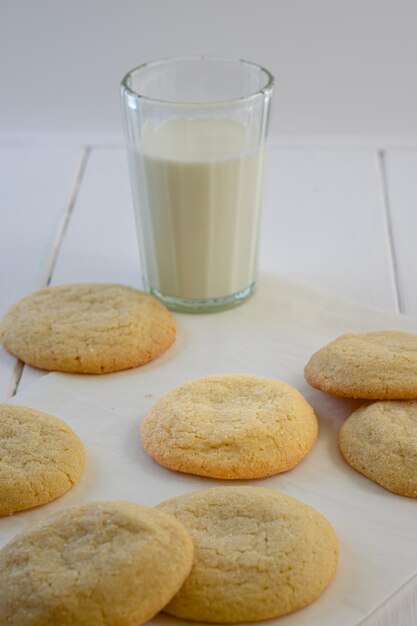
234, 426
101, 564
40, 458
87, 328
258, 554
379, 440
373, 366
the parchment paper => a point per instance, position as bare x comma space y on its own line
272, 335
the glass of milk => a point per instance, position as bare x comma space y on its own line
196, 129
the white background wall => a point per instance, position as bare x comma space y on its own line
342, 66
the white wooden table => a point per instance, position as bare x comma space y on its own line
337, 215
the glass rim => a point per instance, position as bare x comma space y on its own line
241, 99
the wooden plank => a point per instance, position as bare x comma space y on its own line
100, 242
401, 184
324, 223
35, 185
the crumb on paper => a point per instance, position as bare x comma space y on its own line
148, 395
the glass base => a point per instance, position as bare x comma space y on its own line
204, 305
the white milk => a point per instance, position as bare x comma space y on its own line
199, 206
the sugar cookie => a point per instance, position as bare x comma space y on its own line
101, 564
40, 458
87, 328
231, 426
380, 441
258, 554
375, 366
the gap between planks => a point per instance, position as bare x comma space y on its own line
382, 171
50, 264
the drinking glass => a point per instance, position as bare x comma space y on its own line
196, 131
